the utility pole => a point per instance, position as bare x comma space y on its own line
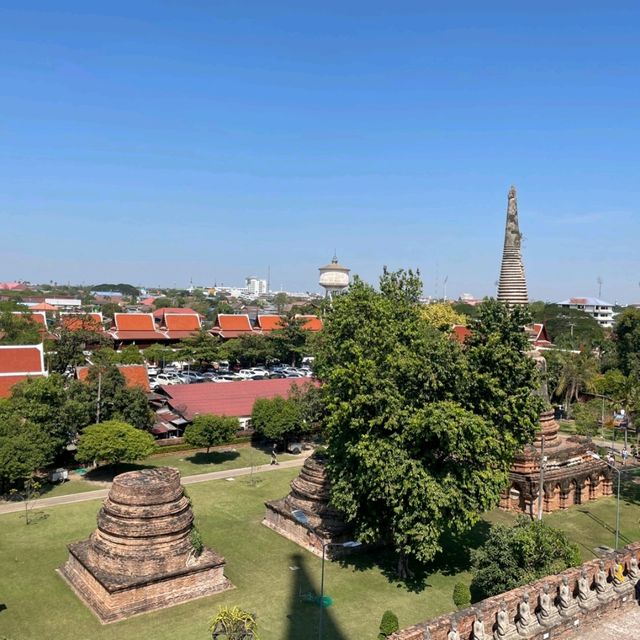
444, 282
599, 287
543, 464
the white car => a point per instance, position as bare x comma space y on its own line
166, 378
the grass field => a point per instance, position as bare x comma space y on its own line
268, 571
189, 463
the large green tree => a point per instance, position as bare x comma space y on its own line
68, 349
627, 340
114, 441
421, 433
513, 556
210, 430
249, 351
277, 418
18, 329
201, 348
290, 341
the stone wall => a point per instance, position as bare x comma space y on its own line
562, 621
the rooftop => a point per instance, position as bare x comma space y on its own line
586, 301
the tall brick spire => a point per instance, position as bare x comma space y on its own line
512, 287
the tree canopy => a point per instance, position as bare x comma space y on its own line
209, 430
421, 432
513, 556
114, 441
277, 418
18, 329
627, 340
442, 315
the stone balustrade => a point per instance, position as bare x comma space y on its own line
554, 607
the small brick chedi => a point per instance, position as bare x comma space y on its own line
310, 492
141, 558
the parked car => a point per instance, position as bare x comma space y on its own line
192, 376
152, 371
166, 378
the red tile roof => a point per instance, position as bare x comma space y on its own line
17, 363
134, 322
135, 375
270, 322
134, 327
158, 314
313, 323
460, 333
182, 322
82, 322
232, 322
227, 399
39, 317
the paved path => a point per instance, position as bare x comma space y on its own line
618, 625
12, 507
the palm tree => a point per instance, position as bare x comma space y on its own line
577, 375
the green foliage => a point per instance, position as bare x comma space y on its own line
513, 556
442, 316
388, 625
67, 350
196, 541
18, 329
421, 432
570, 328
290, 342
576, 373
129, 355
468, 310
249, 351
163, 302
277, 418
311, 407
232, 623
201, 347
209, 430
627, 340
159, 355
124, 289
461, 595
113, 442
588, 416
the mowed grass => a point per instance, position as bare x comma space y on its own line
189, 463
269, 572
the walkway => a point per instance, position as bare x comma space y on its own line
12, 507
617, 625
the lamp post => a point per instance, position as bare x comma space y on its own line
595, 456
303, 519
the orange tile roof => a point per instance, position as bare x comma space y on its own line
231, 322
79, 322
39, 317
159, 313
182, 322
17, 363
134, 322
270, 322
460, 333
313, 323
8, 382
135, 375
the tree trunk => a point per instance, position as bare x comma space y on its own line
403, 567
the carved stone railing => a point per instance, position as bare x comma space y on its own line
553, 607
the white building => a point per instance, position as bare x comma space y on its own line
598, 309
256, 286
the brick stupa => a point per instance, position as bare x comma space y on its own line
310, 492
141, 558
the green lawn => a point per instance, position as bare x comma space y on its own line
189, 463
267, 570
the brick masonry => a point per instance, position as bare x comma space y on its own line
575, 620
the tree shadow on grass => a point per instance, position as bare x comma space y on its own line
213, 457
107, 473
454, 558
629, 486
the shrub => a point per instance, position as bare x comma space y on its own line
196, 541
388, 625
461, 595
513, 556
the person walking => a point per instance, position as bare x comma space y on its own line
625, 455
274, 457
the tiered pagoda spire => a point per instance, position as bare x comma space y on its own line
512, 287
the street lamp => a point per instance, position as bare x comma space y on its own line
303, 519
595, 456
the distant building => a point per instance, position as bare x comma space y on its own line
598, 309
256, 286
19, 362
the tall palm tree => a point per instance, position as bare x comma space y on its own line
577, 375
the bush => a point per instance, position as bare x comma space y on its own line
388, 625
461, 595
113, 442
513, 556
196, 540
208, 431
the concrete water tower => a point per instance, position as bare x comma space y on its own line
334, 277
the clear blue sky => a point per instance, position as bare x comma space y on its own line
151, 142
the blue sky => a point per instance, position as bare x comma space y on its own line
152, 142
